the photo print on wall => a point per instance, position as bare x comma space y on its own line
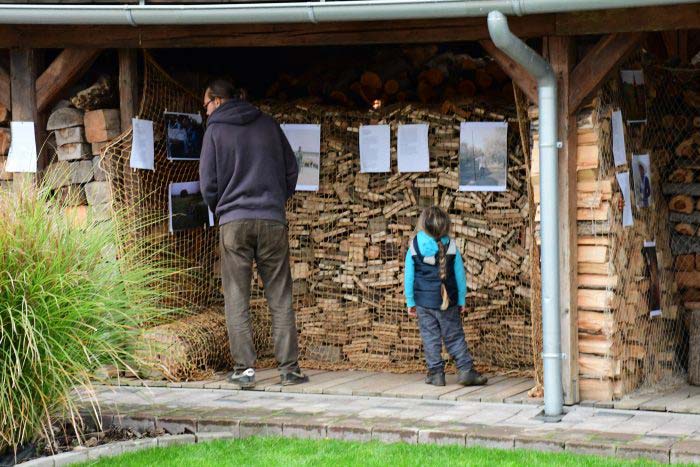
305, 140
483, 156
184, 136
187, 207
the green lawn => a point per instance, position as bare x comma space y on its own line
287, 452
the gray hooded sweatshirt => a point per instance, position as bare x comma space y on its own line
247, 168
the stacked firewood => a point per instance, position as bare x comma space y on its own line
618, 342
77, 137
348, 242
410, 74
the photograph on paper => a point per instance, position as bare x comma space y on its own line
184, 135
634, 95
483, 156
187, 207
305, 140
641, 171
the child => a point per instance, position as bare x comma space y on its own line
436, 289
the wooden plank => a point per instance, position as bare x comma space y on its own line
274, 383
633, 403
659, 404
596, 389
455, 395
517, 387
128, 87
689, 405
373, 386
593, 366
64, 71
5, 96
598, 64
420, 390
517, 73
594, 268
688, 279
596, 300
594, 344
328, 380
491, 389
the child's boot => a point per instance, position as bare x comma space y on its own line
471, 377
436, 379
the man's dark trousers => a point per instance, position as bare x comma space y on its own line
266, 242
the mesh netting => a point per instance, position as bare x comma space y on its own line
623, 347
348, 240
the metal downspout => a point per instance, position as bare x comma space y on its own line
516, 49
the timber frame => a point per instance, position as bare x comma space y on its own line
30, 91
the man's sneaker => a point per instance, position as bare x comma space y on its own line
436, 379
471, 378
244, 379
295, 377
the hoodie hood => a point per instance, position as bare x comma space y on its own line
234, 112
428, 246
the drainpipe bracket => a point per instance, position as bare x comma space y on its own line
560, 145
555, 356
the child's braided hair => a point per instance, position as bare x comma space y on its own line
436, 223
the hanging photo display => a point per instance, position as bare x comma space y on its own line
412, 142
623, 179
142, 148
634, 94
305, 140
22, 156
187, 207
649, 252
375, 148
184, 133
641, 171
483, 156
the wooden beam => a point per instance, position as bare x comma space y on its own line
128, 86
561, 53
597, 65
23, 72
65, 71
516, 72
656, 18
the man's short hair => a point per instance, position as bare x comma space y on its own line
223, 89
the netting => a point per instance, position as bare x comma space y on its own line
348, 240
622, 345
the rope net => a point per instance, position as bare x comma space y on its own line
348, 240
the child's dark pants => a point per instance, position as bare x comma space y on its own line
436, 326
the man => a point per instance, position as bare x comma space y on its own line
247, 172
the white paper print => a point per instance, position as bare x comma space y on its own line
641, 171
22, 156
412, 141
618, 139
375, 148
187, 207
483, 156
305, 140
623, 179
650, 255
142, 148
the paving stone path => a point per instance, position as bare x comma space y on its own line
661, 436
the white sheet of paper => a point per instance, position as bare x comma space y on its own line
618, 137
22, 156
413, 155
623, 179
305, 140
375, 148
142, 148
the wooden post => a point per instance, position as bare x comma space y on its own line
128, 86
561, 56
23, 74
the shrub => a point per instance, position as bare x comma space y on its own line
68, 306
